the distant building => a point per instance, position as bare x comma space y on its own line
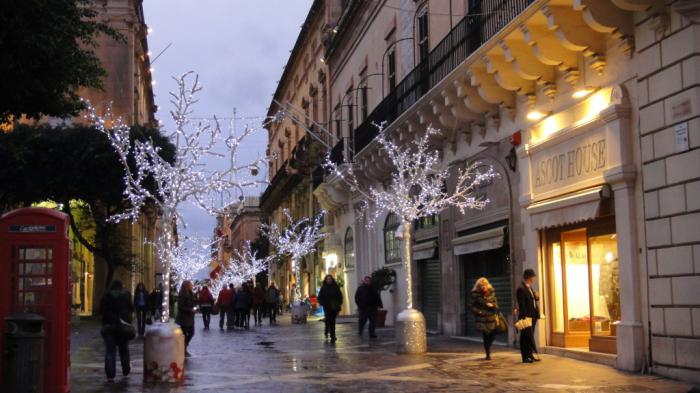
238, 223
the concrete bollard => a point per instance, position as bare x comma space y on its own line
411, 337
164, 354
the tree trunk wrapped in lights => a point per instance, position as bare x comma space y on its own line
188, 179
417, 189
297, 240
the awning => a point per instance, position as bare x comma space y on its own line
425, 250
568, 209
489, 239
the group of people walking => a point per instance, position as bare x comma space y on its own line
235, 306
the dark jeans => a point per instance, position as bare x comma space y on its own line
329, 321
188, 331
488, 340
272, 312
206, 316
527, 342
141, 320
368, 315
223, 310
230, 317
258, 313
112, 342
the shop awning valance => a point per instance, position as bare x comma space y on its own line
425, 250
481, 241
568, 209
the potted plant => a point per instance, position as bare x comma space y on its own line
382, 280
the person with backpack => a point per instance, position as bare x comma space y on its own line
116, 310
271, 298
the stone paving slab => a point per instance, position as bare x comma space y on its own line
296, 358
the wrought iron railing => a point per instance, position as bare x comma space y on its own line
485, 19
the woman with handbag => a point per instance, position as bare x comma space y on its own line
116, 309
186, 303
485, 310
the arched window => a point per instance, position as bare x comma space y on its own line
392, 245
349, 249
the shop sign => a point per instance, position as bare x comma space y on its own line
568, 164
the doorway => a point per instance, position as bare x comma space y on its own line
584, 288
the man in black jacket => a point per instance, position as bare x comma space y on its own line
528, 308
368, 301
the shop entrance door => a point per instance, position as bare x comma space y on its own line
584, 287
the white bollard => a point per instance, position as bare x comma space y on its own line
164, 354
411, 337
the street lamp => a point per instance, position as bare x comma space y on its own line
387, 51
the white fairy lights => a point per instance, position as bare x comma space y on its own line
417, 188
243, 267
297, 240
189, 257
188, 178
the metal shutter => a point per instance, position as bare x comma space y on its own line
430, 273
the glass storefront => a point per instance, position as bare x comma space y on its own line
584, 291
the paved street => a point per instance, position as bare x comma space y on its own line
295, 358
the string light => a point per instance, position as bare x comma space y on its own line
186, 179
297, 240
416, 189
243, 267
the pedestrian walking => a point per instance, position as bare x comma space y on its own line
258, 303
141, 306
185, 312
156, 301
224, 303
242, 306
368, 301
116, 309
271, 302
485, 309
529, 312
206, 302
331, 298
231, 313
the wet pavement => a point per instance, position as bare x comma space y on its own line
296, 358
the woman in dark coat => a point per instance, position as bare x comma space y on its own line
186, 302
141, 304
115, 307
485, 307
331, 298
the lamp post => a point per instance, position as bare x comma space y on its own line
387, 51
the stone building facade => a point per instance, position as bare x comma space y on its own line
588, 111
296, 143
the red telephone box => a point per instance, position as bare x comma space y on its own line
35, 255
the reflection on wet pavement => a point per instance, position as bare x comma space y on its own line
296, 358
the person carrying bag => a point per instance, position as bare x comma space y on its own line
116, 309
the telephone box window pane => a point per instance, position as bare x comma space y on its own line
50, 254
32, 269
35, 254
49, 267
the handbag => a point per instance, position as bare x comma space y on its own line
126, 329
501, 324
215, 309
525, 323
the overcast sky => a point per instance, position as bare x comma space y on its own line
237, 47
